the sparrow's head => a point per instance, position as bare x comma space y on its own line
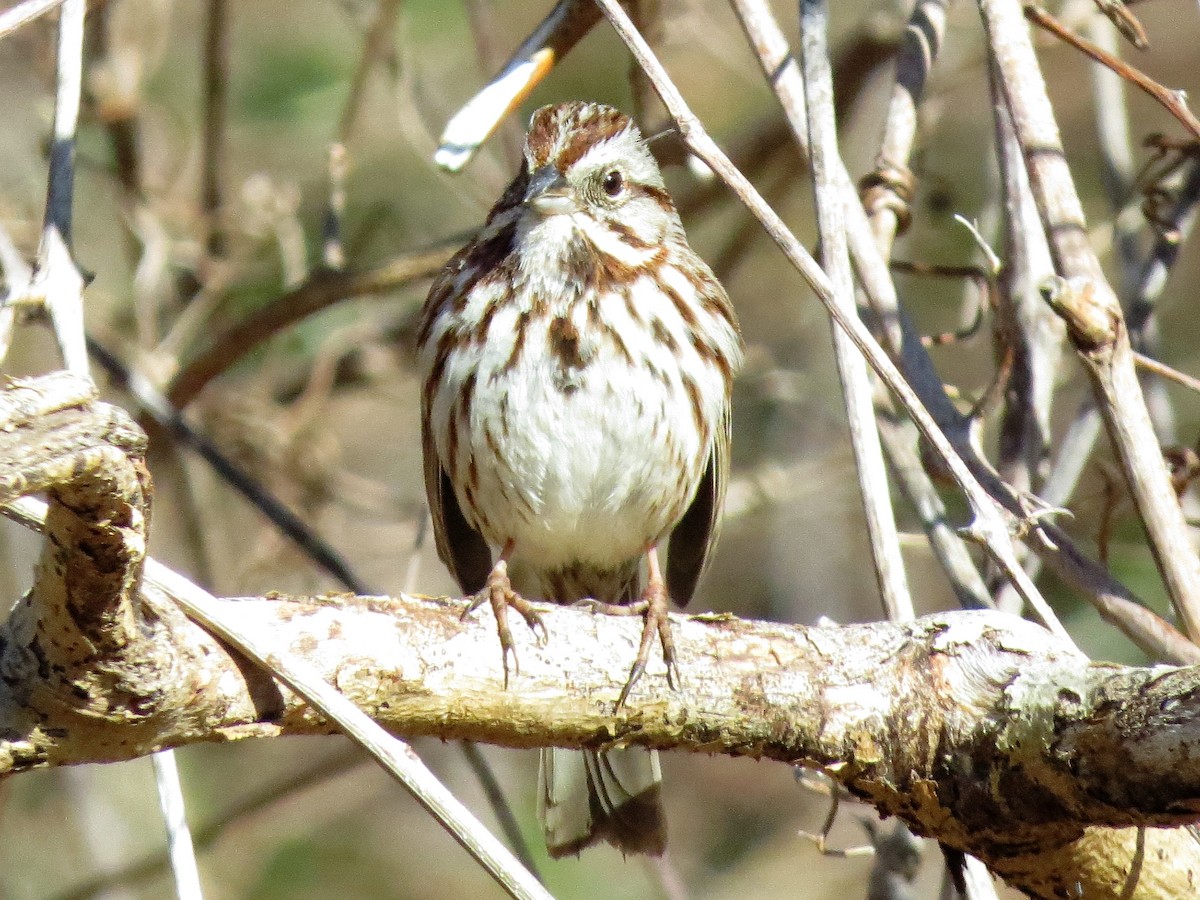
590, 159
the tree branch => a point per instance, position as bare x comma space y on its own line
977, 728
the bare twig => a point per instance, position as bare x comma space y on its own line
375, 46
322, 289
1024, 326
159, 409
1124, 21
179, 838
1164, 371
1096, 745
206, 833
57, 283
856, 383
392, 753
899, 439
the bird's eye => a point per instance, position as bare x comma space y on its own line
614, 183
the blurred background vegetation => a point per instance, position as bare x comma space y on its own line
325, 413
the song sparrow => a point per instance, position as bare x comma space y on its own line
577, 359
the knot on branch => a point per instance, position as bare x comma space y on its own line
1091, 325
889, 187
81, 642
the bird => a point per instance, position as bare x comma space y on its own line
577, 360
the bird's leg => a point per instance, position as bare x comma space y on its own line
499, 593
655, 606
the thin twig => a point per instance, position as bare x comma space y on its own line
376, 44
171, 420
1023, 324
58, 284
835, 256
780, 68
322, 289
392, 753
220, 619
1172, 101
179, 839
206, 833
1164, 371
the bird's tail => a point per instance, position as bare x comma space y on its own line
609, 795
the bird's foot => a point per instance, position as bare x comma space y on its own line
499, 593
654, 606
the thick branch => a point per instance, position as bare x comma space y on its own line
977, 728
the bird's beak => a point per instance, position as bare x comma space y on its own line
548, 193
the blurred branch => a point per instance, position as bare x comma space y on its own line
85, 612
57, 284
562, 29
207, 833
379, 39
172, 421
899, 438
1172, 101
322, 289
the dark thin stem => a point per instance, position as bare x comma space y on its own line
500, 806
60, 187
172, 420
216, 67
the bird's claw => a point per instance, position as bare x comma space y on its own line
499, 594
655, 606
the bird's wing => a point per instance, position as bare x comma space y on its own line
459, 546
694, 537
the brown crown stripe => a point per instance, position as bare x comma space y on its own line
588, 126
